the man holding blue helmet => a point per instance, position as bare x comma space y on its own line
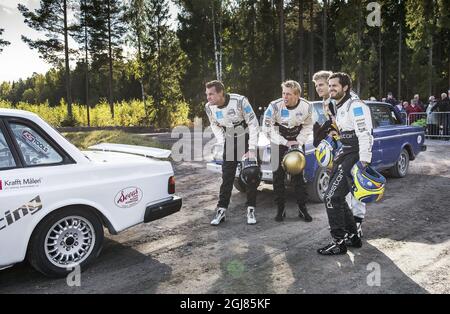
327, 141
354, 123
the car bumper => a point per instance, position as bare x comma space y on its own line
163, 209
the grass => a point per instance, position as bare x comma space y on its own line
83, 140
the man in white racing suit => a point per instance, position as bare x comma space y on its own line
320, 80
354, 122
235, 127
288, 123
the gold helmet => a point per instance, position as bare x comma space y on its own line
294, 161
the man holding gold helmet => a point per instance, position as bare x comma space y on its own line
288, 124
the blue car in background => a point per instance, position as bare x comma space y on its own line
395, 145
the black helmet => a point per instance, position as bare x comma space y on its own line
250, 172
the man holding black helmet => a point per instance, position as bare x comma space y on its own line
230, 115
288, 124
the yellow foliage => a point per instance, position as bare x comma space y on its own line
126, 113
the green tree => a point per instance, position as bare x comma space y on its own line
52, 19
106, 36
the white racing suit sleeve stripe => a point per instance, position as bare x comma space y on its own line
269, 128
362, 122
216, 128
252, 122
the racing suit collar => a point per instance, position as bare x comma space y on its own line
292, 108
344, 100
227, 100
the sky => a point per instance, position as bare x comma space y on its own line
18, 60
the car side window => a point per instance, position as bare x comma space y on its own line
318, 115
382, 115
35, 149
6, 157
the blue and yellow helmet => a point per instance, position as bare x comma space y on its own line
326, 151
368, 184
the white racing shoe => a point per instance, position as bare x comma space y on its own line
220, 216
251, 219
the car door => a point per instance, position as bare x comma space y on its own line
26, 179
386, 136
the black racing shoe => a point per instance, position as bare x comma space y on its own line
353, 240
281, 214
337, 247
303, 213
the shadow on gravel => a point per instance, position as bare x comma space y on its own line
118, 269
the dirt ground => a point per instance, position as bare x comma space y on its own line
406, 239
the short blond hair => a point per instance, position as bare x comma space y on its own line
294, 85
321, 75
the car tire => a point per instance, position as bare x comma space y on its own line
400, 169
319, 185
239, 185
65, 238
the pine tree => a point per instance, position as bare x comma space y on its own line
3, 43
52, 19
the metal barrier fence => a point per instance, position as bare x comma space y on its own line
436, 124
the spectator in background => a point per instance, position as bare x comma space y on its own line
401, 109
444, 118
418, 102
405, 106
383, 99
413, 109
432, 118
391, 100
373, 99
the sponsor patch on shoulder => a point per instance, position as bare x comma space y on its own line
284, 113
248, 109
358, 111
219, 114
268, 113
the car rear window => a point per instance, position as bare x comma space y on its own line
382, 115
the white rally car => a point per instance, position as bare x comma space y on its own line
55, 199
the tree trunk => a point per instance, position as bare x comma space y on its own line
359, 61
216, 50
430, 67
400, 39
141, 78
301, 40
67, 69
325, 34
220, 39
110, 94
311, 94
86, 69
380, 68
282, 67
159, 108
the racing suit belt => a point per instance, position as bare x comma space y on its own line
289, 133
